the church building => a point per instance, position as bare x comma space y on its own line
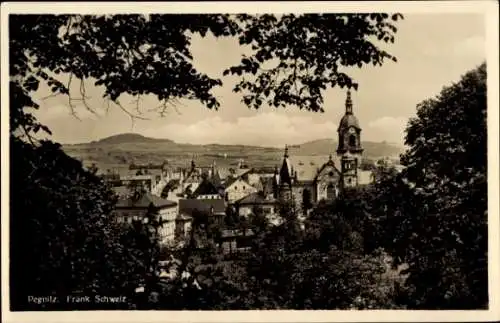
303, 178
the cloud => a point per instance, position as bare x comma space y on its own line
48, 113
264, 128
386, 128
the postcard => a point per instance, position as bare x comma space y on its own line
250, 161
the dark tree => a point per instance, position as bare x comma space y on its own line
57, 204
436, 211
306, 200
64, 239
152, 54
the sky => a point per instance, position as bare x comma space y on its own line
433, 51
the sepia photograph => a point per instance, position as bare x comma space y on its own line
237, 158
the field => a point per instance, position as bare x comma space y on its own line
118, 152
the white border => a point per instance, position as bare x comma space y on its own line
488, 8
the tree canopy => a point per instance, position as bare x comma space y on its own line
293, 57
435, 212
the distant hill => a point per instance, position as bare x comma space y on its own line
128, 138
119, 151
328, 146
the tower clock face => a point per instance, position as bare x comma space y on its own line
351, 130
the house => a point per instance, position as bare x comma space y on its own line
207, 189
235, 241
191, 179
250, 203
149, 182
237, 189
213, 207
183, 225
139, 205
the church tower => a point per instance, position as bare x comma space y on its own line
285, 179
349, 147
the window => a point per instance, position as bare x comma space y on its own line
330, 192
352, 140
330, 174
236, 188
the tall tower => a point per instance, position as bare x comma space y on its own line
349, 148
285, 179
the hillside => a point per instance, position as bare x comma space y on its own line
371, 149
128, 138
117, 152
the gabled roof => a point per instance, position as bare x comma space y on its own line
268, 184
206, 187
188, 206
216, 179
144, 201
238, 172
307, 167
234, 180
331, 163
223, 172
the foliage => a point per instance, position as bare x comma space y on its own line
295, 57
63, 239
152, 53
65, 210
435, 215
306, 200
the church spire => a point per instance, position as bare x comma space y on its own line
348, 103
193, 165
285, 176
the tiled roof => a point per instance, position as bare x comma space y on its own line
144, 201
223, 172
241, 171
307, 167
268, 185
231, 181
188, 206
215, 179
206, 187
255, 198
